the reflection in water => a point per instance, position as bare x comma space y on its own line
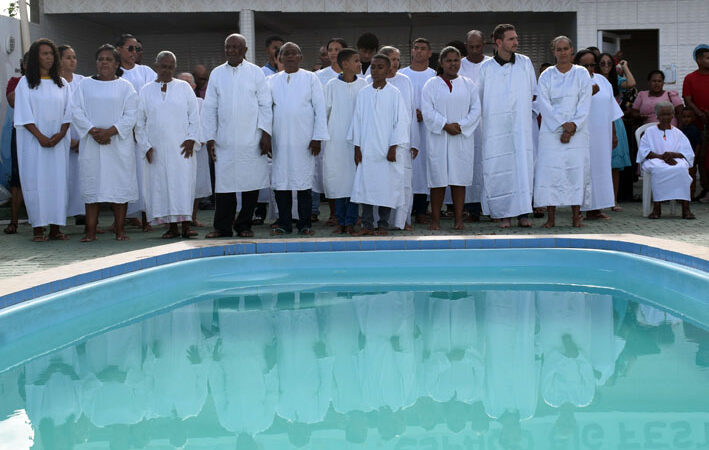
459, 368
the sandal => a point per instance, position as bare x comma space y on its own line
689, 216
58, 237
11, 228
331, 221
245, 233
307, 232
170, 234
278, 231
39, 238
189, 234
216, 234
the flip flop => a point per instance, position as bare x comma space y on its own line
279, 231
306, 232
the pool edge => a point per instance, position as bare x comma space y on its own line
27, 287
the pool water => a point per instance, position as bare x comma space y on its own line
417, 365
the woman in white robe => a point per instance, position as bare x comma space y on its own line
167, 130
42, 119
75, 206
563, 172
604, 111
451, 111
104, 112
666, 154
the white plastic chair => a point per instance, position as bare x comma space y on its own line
647, 181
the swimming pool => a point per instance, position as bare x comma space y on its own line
507, 348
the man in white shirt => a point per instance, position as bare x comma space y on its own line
236, 124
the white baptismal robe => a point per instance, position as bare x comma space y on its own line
324, 75
235, 113
163, 124
604, 111
338, 156
138, 76
508, 149
563, 172
107, 172
43, 171
75, 204
298, 118
473, 194
380, 121
668, 182
203, 185
418, 80
450, 158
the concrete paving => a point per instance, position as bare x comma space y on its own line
20, 256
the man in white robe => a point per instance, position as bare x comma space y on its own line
380, 131
470, 68
507, 83
338, 158
299, 126
666, 154
406, 157
167, 131
138, 75
367, 46
273, 43
236, 124
42, 119
419, 73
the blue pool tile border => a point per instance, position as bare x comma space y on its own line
370, 244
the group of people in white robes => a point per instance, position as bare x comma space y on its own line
380, 142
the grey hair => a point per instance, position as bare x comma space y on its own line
185, 74
471, 33
661, 105
388, 50
558, 39
164, 54
446, 50
291, 44
236, 35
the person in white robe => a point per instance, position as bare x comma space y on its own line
470, 68
451, 112
507, 83
247, 403
380, 131
406, 156
367, 46
75, 205
419, 73
41, 118
299, 127
563, 170
338, 156
236, 124
167, 130
203, 183
138, 75
326, 74
666, 154
104, 111
604, 111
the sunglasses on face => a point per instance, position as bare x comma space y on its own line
134, 48
589, 65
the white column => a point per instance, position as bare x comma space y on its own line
247, 28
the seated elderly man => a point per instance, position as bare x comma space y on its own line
665, 152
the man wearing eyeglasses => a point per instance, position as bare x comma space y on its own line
138, 75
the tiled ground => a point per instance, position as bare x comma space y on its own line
20, 256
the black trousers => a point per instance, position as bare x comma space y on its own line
420, 205
225, 210
284, 200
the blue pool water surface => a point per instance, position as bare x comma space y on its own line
449, 349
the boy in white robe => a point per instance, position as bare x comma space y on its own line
338, 158
665, 152
419, 73
451, 112
42, 119
380, 125
299, 126
167, 130
507, 84
236, 124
